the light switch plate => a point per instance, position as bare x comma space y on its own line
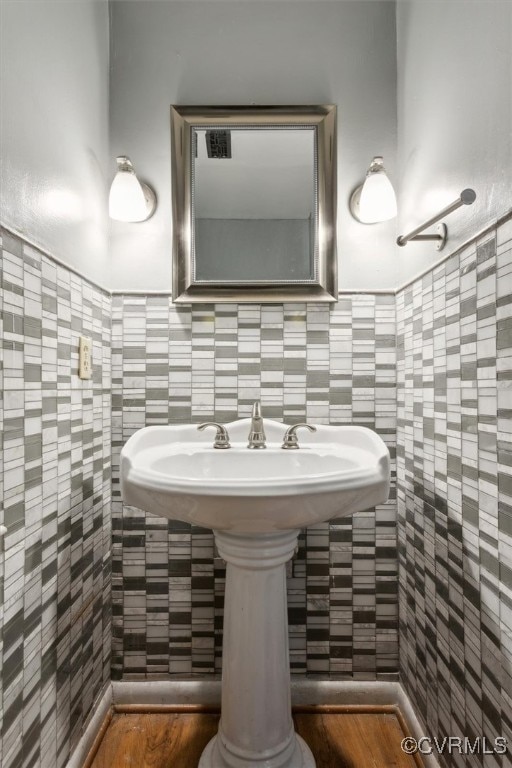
85, 357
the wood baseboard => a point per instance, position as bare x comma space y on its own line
314, 709
345, 709
164, 709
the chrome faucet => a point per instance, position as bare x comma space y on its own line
257, 434
290, 441
221, 434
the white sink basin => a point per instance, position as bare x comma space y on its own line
174, 472
256, 501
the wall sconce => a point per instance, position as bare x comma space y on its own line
374, 201
129, 198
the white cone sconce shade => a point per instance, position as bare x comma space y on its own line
374, 201
130, 199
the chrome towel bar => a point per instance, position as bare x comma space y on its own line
467, 197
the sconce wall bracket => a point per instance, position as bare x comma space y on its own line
150, 198
355, 198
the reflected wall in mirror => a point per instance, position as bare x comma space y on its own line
254, 204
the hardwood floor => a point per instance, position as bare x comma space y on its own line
176, 740
354, 741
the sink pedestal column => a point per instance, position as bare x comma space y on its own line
256, 727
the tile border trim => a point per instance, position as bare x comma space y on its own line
130, 292
342, 292
304, 692
60, 262
92, 730
414, 724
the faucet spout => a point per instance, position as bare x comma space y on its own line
256, 437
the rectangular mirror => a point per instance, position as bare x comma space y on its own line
254, 204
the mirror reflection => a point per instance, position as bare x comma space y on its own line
254, 204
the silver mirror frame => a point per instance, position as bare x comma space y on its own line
184, 119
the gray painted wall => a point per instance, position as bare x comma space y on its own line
454, 114
243, 53
454, 117
54, 126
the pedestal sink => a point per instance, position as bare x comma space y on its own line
256, 502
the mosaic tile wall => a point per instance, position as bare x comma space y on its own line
174, 364
454, 458
55, 572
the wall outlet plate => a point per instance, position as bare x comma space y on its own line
85, 357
